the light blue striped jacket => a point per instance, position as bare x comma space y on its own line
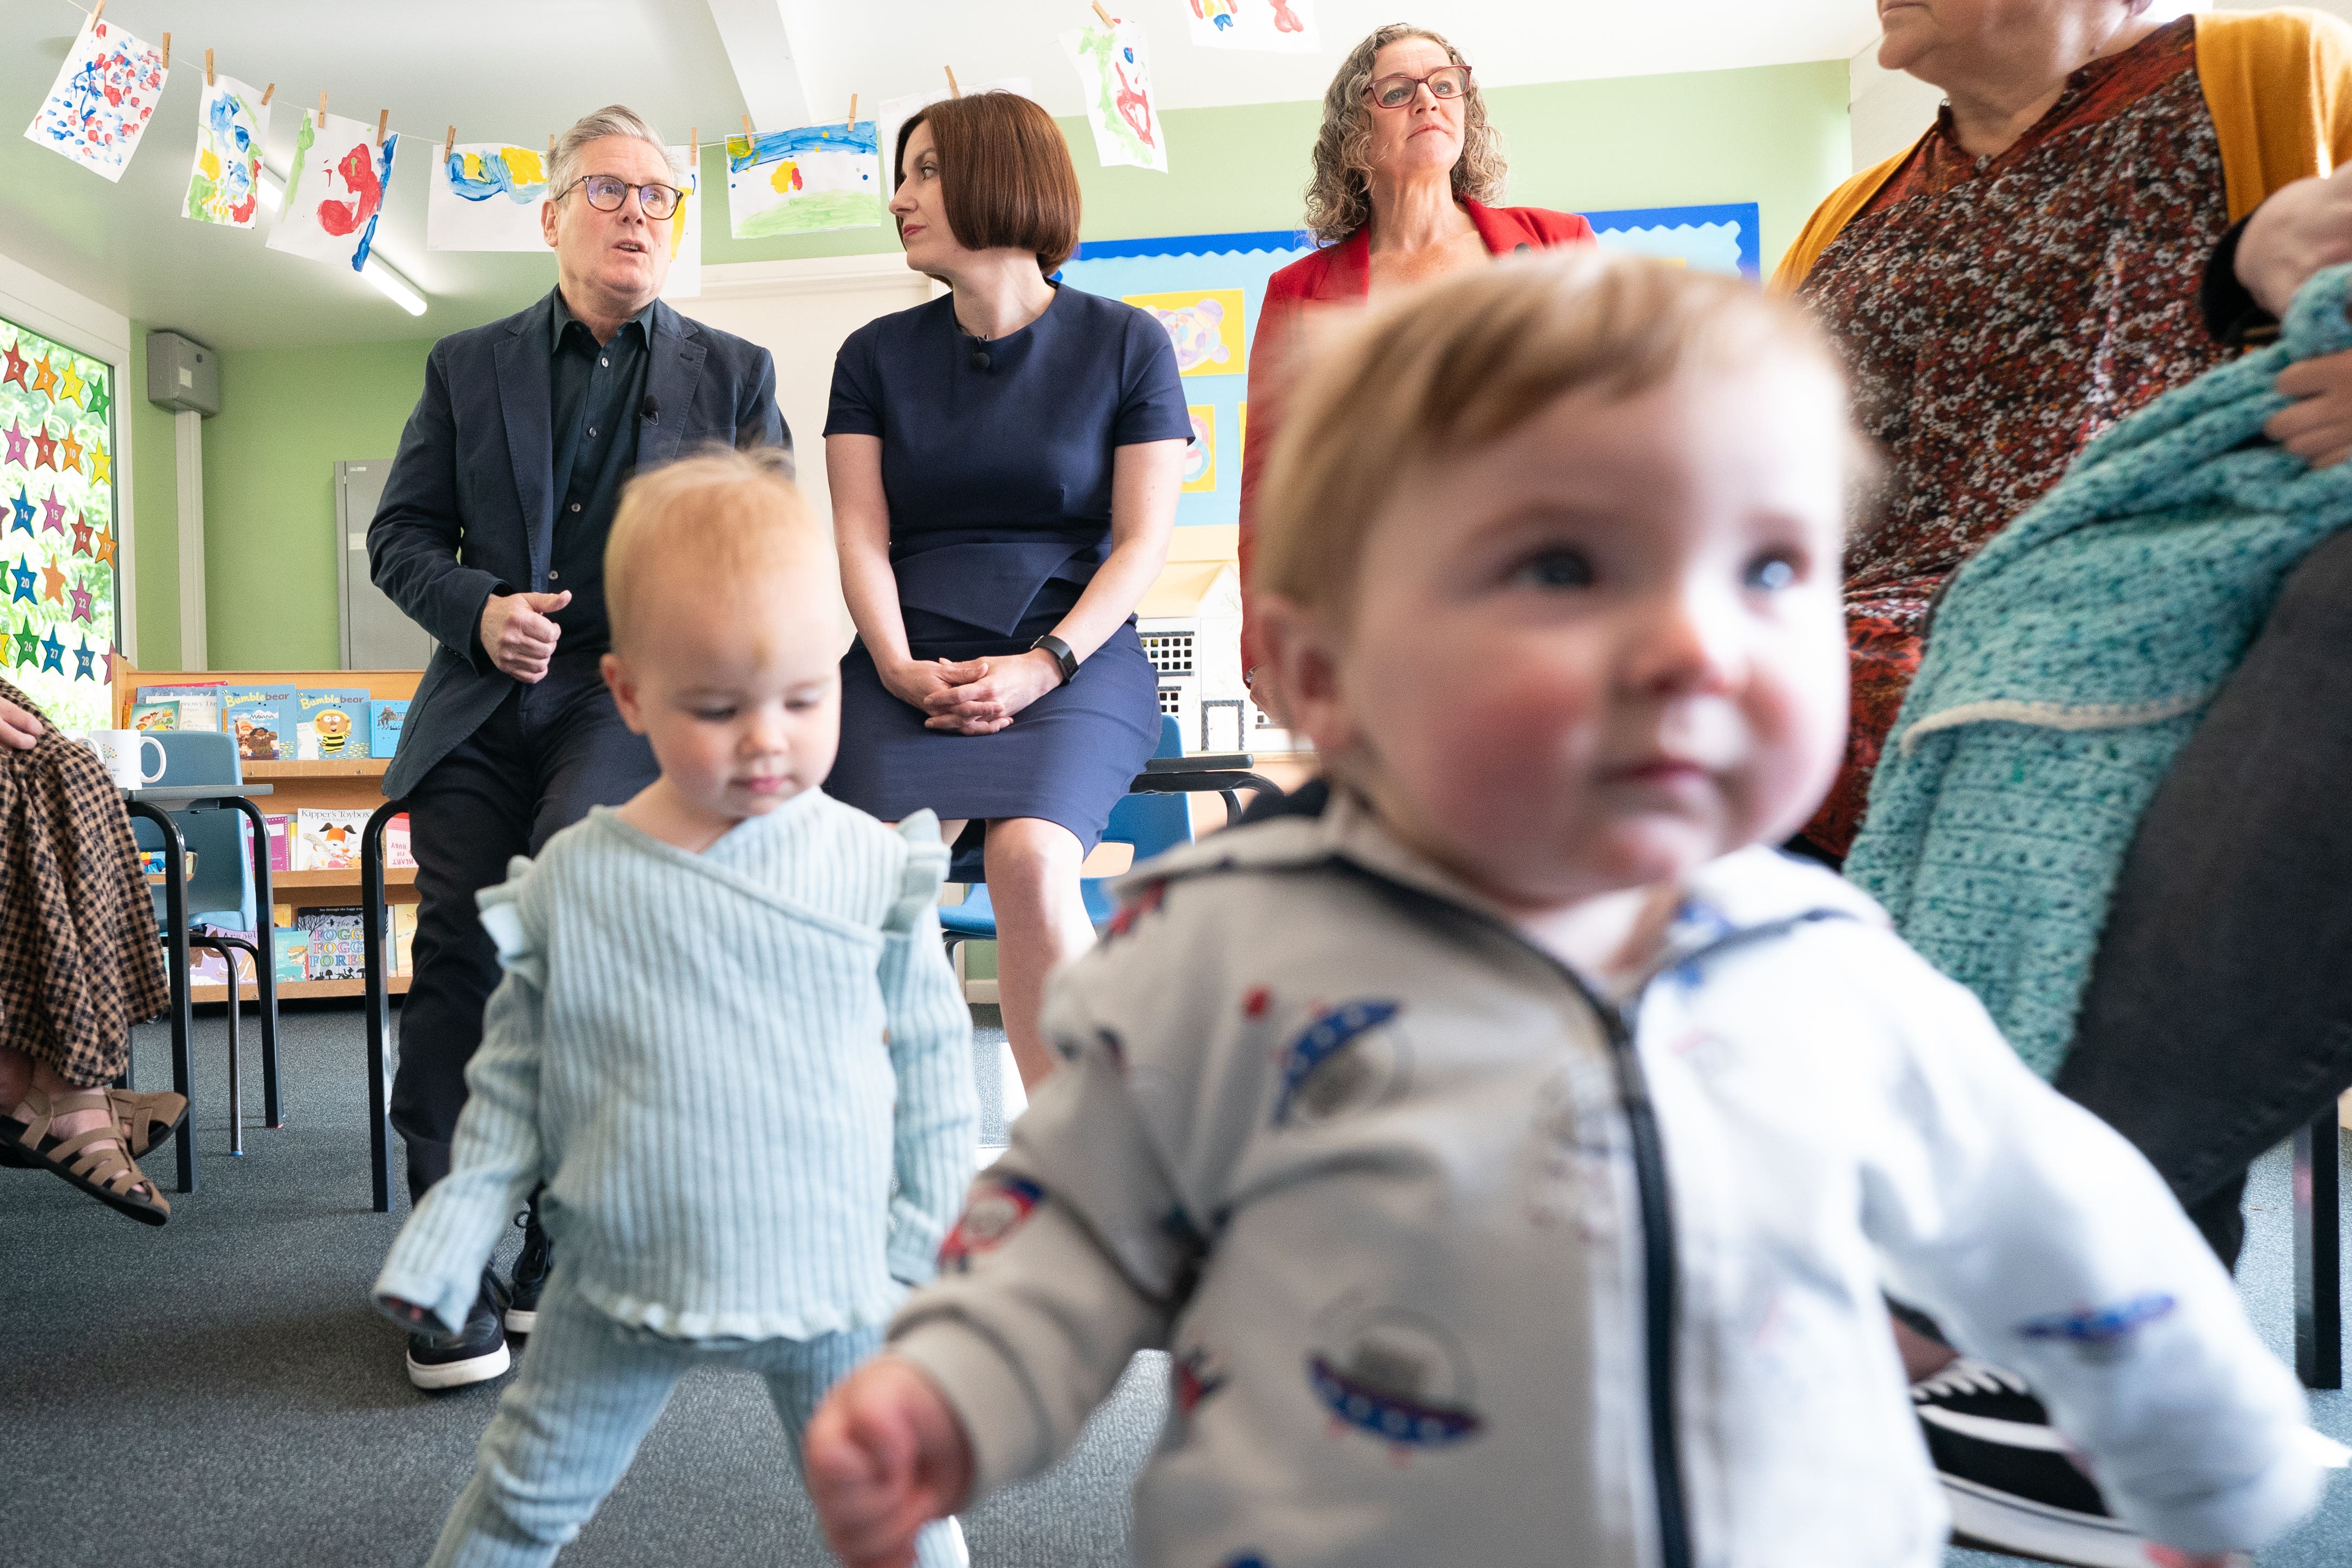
745, 1076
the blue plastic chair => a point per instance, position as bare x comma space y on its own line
222, 887
1154, 818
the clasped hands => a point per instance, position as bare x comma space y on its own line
2303, 227
975, 696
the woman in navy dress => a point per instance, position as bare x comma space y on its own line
1004, 464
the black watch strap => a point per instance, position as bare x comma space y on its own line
1062, 655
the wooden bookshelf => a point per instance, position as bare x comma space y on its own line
294, 989
359, 767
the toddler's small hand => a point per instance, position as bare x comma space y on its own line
884, 1456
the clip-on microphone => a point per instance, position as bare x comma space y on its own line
650, 409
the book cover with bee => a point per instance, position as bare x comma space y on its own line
330, 724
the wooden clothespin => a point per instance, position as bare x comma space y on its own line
323, 111
550, 154
96, 12
1105, 15
267, 93
694, 149
953, 88
167, 51
208, 68
853, 111
751, 137
449, 145
383, 118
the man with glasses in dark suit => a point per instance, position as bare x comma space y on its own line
491, 537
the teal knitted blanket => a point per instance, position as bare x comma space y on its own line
2067, 664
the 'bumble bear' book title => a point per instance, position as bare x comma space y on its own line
330, 724
262, 718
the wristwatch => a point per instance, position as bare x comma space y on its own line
1062, 655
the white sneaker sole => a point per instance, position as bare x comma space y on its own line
520, 1319
1999, 1521
459, 1374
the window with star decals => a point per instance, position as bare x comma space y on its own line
59, 567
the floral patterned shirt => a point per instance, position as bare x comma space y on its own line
1996, 314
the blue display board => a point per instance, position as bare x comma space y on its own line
1206, 289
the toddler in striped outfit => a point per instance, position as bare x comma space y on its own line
727, 1041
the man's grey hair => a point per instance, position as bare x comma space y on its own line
612, 120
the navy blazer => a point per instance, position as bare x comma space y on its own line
469, 509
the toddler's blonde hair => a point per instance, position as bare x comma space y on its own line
1464, 361
734, 519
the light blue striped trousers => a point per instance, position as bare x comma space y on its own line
589, 1391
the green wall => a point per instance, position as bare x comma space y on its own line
1776, 135
288, 416
155, 514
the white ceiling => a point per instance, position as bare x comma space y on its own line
522, 68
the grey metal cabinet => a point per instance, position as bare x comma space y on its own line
377, 635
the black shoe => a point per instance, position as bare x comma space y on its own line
475, 1354
2007, 1474
529, 1273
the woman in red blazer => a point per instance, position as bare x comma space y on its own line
1401, 163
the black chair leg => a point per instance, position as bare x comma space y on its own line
175, 947
265, 958
2318, 1254
379, 1001
236, 1045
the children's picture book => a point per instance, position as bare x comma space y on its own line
388, 715
290, 955
330, 724
200, 702
327, 838
404, 937
396, 850
156, 716
336, 942
282, 842
258, 716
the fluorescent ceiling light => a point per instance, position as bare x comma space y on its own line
379, 272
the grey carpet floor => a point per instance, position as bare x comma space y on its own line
219, 1392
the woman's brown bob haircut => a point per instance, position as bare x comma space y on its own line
1004, 173
1459, 364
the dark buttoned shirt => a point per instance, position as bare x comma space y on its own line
599, 393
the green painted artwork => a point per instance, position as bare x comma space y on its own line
58, 557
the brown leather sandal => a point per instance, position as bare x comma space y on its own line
145, 1121
93, 1161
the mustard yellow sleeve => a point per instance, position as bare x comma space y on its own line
1829, 220
2279, 87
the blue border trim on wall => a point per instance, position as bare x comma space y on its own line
1197, 244
1748, 215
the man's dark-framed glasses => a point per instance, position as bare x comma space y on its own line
1396, 91
605, 193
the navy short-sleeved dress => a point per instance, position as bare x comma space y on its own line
999, 484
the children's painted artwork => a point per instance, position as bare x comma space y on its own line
1723, 238
896, 112
1177, 280
1200, 451
485, 195
799, 181
1113, 71
1273, 26
232, 127
102, 99
337, 191
684, 281
1205, 325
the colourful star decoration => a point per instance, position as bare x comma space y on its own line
82, 658
20, 445
29, 647
81, 535
53, 654
70, 451
53, 513
22, 506
45, 379
21, 576
101, 467
17, 364
105, 550
70, 386
84, 609
53, 583
99, 401
45, 449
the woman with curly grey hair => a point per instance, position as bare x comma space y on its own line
1404, 166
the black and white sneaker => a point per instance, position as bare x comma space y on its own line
2007, 1477
529, 1273
475, 1354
